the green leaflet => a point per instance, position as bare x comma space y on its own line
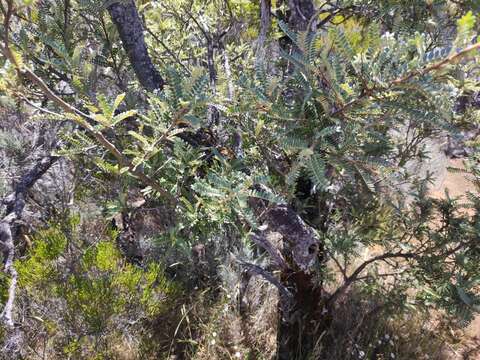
316, 168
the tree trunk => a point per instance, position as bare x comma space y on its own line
125, 16
301, 255
298, 327
299, 321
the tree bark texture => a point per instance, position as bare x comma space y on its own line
265, 22
301, 321
297, 251
125, 16
15, 203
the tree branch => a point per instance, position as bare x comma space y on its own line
81, 118
275, 254
301, 11
8, 249
419, 72
15, 203
125, 16
167, 49
265, 22
354, 276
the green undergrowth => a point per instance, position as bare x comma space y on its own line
86, 301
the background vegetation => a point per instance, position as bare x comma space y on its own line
227, 179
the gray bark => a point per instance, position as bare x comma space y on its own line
265, 22
15, 203
8, 250
300, 244
125, 16
297, 251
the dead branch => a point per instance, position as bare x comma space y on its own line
15, 203
8, 249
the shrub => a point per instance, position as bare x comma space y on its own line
85, 298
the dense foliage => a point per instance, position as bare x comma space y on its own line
235, 179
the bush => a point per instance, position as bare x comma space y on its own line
84, 300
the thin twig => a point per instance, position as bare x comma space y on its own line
168, 50
354, 277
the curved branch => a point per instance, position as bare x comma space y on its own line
354, 277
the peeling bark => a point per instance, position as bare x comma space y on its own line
125, 16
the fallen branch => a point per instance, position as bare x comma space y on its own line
15, 203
